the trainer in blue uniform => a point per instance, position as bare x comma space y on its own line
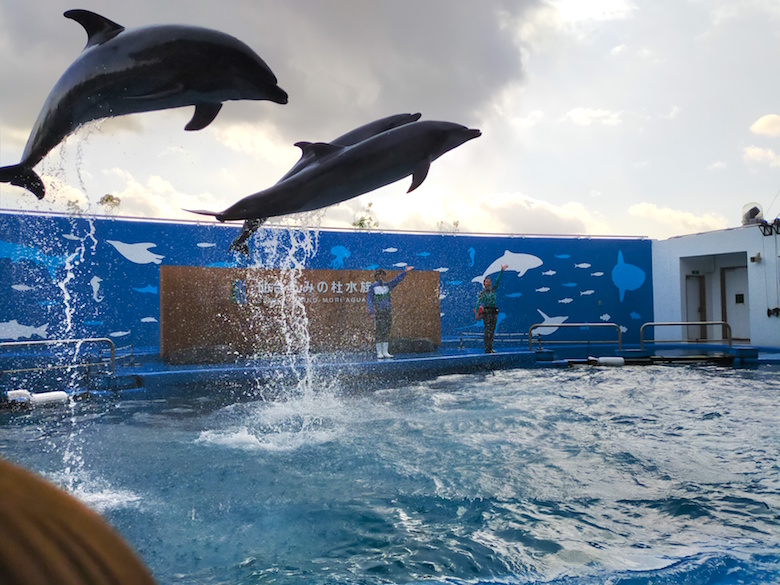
380, 308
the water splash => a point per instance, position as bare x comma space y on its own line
287, 250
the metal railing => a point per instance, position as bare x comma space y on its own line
497, 338
726, 328
78, 342
571, 325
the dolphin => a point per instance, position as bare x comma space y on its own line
142, 70
308, 155
336, 173
353, 137
47, 536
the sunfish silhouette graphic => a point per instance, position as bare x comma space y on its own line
626, 277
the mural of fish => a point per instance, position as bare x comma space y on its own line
626, 277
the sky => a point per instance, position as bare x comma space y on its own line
650, 118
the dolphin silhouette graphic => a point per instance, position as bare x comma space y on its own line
141, 70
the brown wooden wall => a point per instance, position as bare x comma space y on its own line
254, 311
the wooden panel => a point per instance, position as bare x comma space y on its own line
240, 311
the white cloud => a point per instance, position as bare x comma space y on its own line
768, 125
494, 213
666, 222
532, 119
576, 11
758, 155
647, 55
587, 116
717, 166
619, 50
259, 141
673, 113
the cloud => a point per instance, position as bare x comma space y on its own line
343, 63
260, 141
532, 119
762, 156
768, 125
575, 11
673, 113
667, 222
587, 116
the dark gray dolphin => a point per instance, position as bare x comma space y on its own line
336, 173
307, 155
353, 137
141, 70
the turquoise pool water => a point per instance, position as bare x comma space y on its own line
584, 475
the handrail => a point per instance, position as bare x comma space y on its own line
498, 337
723, 324
13, 344
580, 325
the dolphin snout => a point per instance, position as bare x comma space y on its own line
278, 95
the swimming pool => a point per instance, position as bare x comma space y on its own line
653, 474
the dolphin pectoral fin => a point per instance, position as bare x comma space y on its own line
419, 174
204, 115
22, 176
99, 29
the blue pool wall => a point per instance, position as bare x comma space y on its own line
82, 276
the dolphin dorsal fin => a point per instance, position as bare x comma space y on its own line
99, 28
318, 149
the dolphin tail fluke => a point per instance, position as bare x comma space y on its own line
22, 176
240, 244
216, 214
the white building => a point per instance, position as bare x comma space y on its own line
731, 275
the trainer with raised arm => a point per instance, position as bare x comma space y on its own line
380, 308
487, 308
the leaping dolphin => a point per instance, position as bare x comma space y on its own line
307, 155
142, 70
336, 173
353, 137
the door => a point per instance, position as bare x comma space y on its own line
736, 308
695, 306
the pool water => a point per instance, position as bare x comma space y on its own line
654, 474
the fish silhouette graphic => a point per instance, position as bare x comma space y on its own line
626, 277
